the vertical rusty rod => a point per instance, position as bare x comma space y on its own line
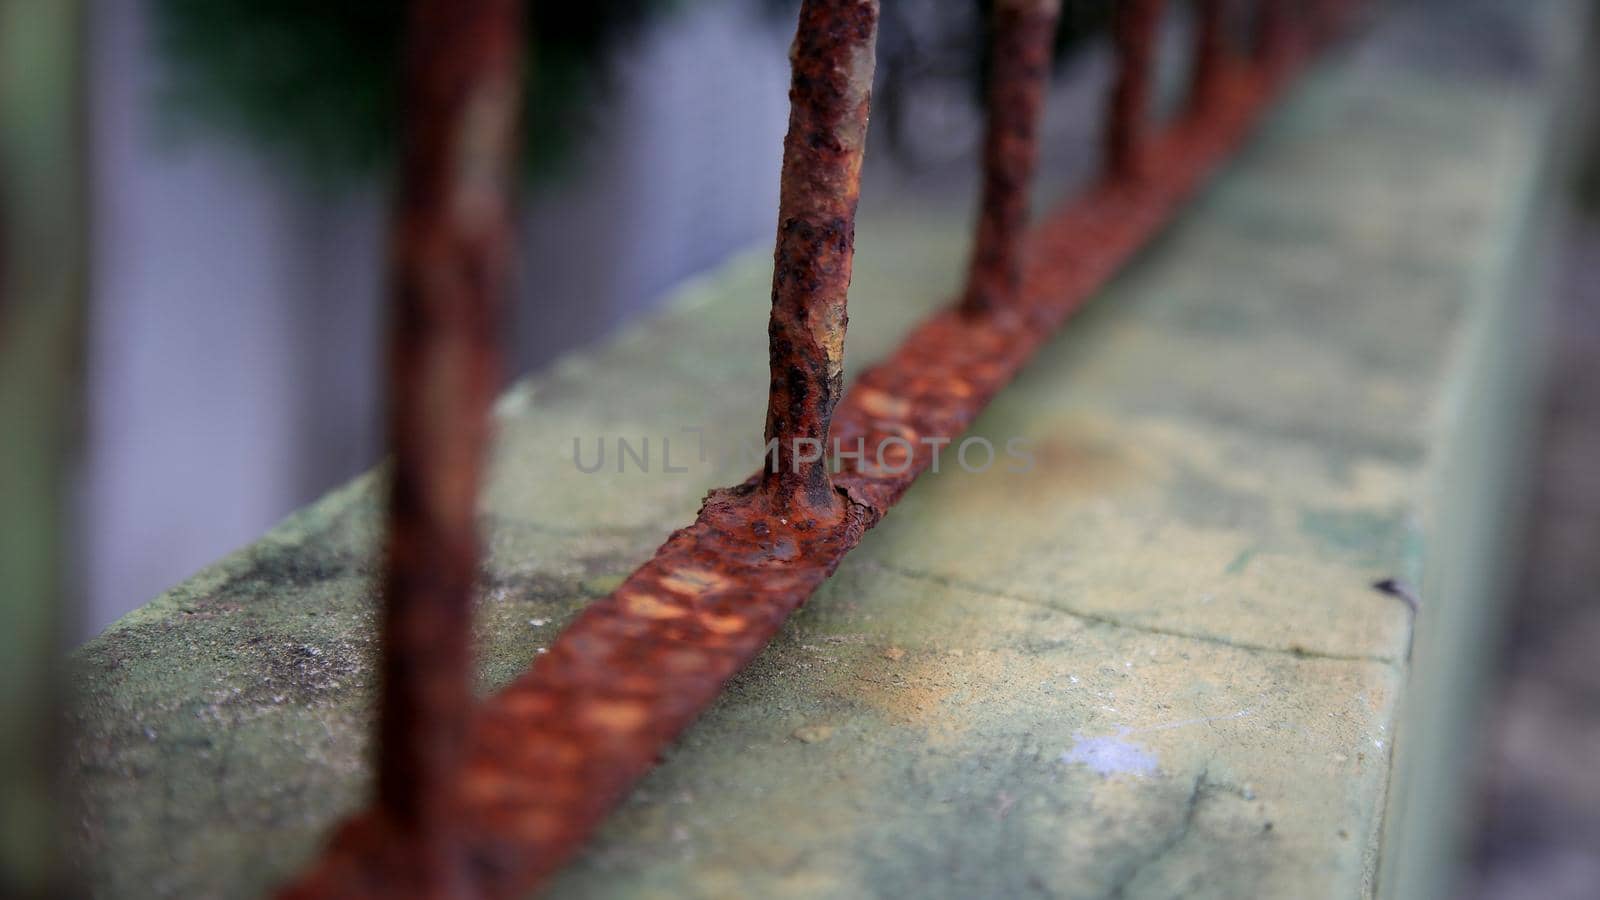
1022, 37
1134, 30
1272, 33
833, 57
450, 252
1330, 18
1211, 47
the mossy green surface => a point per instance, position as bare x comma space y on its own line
1153, 665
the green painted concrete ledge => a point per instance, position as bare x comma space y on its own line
1154, 665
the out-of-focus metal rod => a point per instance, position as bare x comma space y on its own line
1330, 18
44, 231
1022, 35
1211, 46
1274, 32
833, 57
449, 267
1134, 30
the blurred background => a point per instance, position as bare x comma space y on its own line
239, 185
238, 181
232, 229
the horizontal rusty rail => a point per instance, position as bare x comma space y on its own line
552, 753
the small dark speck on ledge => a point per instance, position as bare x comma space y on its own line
1395, 587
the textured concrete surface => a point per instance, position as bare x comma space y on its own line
1154, 664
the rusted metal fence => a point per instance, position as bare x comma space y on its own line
488, 799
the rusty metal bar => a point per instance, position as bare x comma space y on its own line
833, 57
553, 752
450, 253
1022, 35
1274, 32
1211, 45
1135, 29
1332, 17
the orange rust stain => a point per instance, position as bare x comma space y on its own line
692, 582
882, 403
615, 715
651, 607
915, 696
722, 624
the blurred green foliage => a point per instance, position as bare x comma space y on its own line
319, 80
